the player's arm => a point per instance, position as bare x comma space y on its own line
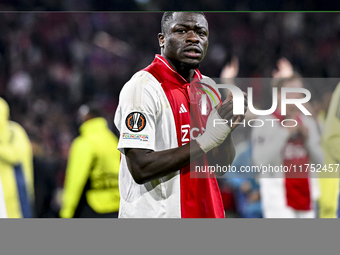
147, 165
223, 155
77, 173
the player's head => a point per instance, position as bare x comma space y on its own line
184, 38
89, 111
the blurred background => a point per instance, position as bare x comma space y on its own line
51, 63
156, 5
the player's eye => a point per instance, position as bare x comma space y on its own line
201, 33
180, 30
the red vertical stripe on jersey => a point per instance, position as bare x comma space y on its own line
200, 197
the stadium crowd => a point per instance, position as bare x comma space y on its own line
153, 5
51, 63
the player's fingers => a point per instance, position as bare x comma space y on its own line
225, 108
229, 97
237, 122
218, 106
228, 116
234, 118
245, 103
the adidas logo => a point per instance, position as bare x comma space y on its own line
182, 109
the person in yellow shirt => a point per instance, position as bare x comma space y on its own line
16, 167
91, 180
329, 183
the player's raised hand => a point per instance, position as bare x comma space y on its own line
218, 124
225, 111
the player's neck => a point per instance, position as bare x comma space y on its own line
181, 69
187, 74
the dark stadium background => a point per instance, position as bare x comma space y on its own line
157, 5
51, 63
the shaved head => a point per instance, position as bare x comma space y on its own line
167, 17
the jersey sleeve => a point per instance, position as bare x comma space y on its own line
137, 112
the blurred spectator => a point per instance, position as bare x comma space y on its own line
91, 181
329, 184
152, 5
288, 194
15, 166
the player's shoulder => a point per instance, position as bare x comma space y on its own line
209, 84
141, 79
207, 80
141, 89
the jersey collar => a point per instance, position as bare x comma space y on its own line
171, 74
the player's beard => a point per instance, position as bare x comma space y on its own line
187, 66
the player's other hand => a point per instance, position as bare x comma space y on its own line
226, 109
218, 124
240, 118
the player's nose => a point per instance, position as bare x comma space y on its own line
192, 37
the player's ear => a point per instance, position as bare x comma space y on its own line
161, 40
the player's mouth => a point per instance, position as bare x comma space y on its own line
192, 52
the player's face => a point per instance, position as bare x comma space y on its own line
186, 39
